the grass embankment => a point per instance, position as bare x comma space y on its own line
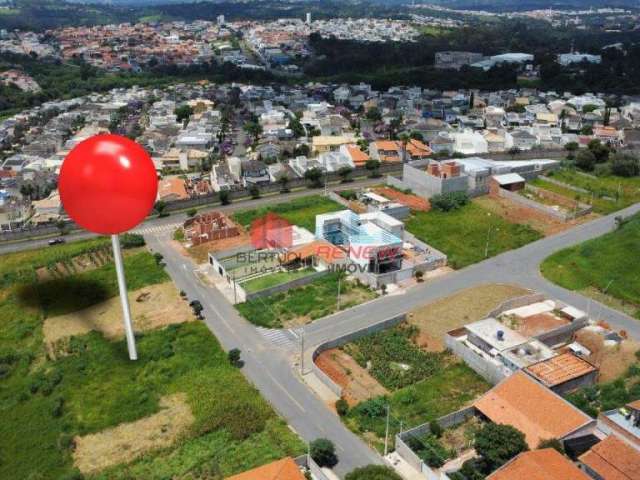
607, 194
424, 385
274, 279
45, 403
462, 234
299, 211
301, 305
609, 261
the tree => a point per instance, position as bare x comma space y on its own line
234, 357
192, 212
314, 176
552, 443
571, 146
514, 151
284, 182
344, 172
158, 257
373, 472
323, 452
160, 208
446, 202
625, 165
342, 407
302, 150
374, 114
585, 160
225, 197
254, 191
61, 226
499, 443
296, 126
254, 129
404, 140
183, 113
373, 166
599, 150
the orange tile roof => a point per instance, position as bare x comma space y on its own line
546, 464
560, 369
634, 405
417, 148
172, 187
386, 145
357, 155
285, 469
613, 459
530, 407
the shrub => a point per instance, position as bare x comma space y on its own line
585, 160
225, 197
234, 357
374, 408
373, 472
552, 443
323, 452
192, 212
254, 191
132, 240
625, 165
158, 257
342, 407
57, 409
435, 428
449, 201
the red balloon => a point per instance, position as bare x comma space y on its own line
108, 184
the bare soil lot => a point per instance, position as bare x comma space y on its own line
356, 382
128, 441
516, 213
437, 318
613, 360
152, 307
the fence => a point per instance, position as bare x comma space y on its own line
577, 210
305, 461
492, 372
298, 282
408, 455
346, 338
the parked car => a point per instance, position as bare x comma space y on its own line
57, 241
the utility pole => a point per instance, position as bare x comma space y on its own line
604, 292
302, 351
486, 247
386, 434
339, 277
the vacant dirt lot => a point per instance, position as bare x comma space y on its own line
355, 381
437, 318
151, 307
613, 360
200, 253
515, 213
129, 441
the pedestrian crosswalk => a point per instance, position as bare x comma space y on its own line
146, 230
286, 339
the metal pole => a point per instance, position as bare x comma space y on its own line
124, 299
386, 433
338, 291
302, 351
604, 293
486, 248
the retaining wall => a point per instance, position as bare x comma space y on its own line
298, 282
492, 373
349, 337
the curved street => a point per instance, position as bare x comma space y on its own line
271, 367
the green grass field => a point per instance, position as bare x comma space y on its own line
595, 263
299, 211
273, 279
462, 234
423, 385
300, 305
607, 193
44, 403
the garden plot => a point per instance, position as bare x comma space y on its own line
128, 441
435, 319
152, 307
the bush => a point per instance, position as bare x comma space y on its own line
435, 428
192, 212
449, 201
57, 409
342, 407
497, 444
132, 240
254, 191
374, 408
323, 452
373, 472
552, 443
625, 165
225, 197
585, 160
234, 357
158, 257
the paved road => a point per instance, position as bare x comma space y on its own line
267, 365
520, 267
177, 218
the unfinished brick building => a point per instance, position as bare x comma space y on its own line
208, 227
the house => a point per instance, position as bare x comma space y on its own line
285, 469
334, 161
357, 156
321, 143
511, 182
470, 143
608, 136
623, 422
48, 209
386, 151
255, 173
443, 142
495, 141
222, 179
523, 140
417, 150
209, 226
545, 464
611, 459
536, 411
564, 373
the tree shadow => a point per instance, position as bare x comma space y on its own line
62, 295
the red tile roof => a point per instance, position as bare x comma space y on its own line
613, 459
546, 464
